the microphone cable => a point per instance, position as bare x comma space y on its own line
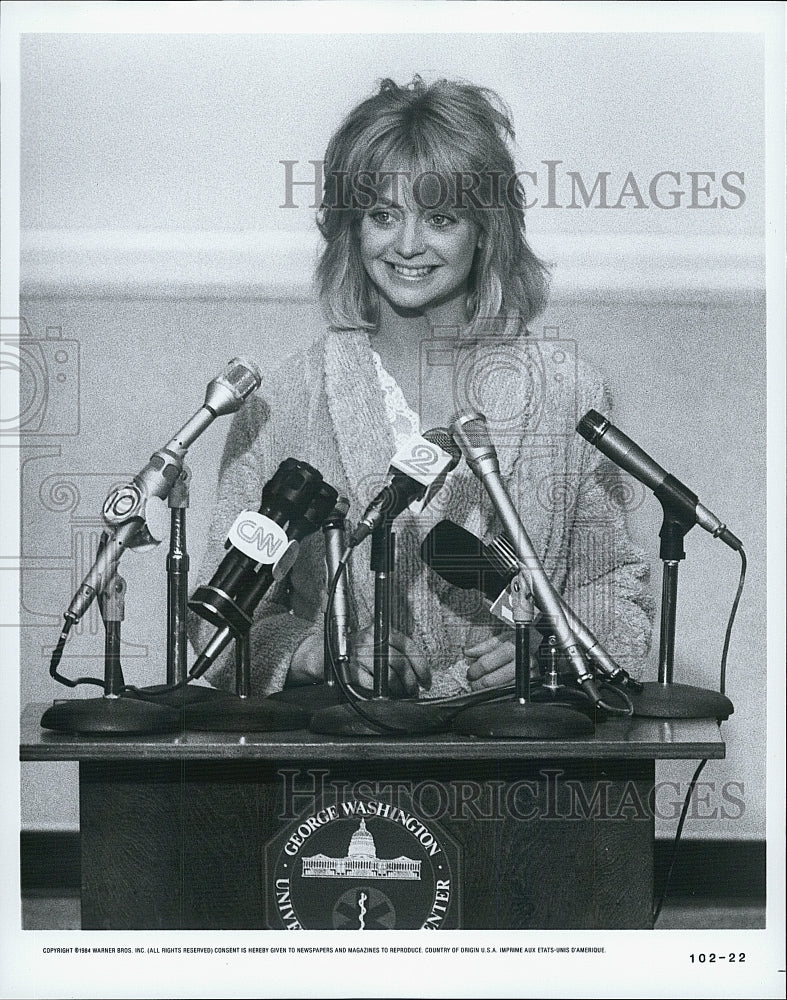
351, 697
674, 854
733, 612
57, 655
695, 777
69, 619
618, 692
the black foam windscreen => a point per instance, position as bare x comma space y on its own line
462, 559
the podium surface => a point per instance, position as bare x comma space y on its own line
296, 830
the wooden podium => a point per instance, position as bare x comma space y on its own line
294, 830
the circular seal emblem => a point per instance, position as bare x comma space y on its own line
362, 865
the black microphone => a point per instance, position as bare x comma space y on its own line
127, 509
613, 443
414, 471
295, 502
255, 542
463, 560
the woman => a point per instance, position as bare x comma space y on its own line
428, 284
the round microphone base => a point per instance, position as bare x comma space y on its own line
313, 697
110, 717
680, 701
309, 697
234, 714
413, 717
187, 695
516, 720
563, 697
429, 715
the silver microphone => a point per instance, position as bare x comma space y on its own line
127, 508
471, 433
335, 548
225, 394
503, 554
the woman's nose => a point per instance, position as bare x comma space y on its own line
410, 238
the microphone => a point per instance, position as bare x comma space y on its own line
418, 470
129, 510
613, 443
261, 551
470, 431
502, 551
255, 543
333, 530
462, 559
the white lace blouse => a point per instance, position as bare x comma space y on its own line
404, 421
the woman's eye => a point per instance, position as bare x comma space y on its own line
441, 221
382, 217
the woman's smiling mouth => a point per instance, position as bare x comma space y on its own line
410, 272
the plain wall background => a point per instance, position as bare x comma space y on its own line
153, 237
187, 131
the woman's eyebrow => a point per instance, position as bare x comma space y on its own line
384, 201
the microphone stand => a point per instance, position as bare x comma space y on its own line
383, 561
664, 699
132, 512
313, 697
408, 715
521, 717
111, 714
177, 597
550, 690
177, 580
240, 712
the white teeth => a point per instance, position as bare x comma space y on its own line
412, 272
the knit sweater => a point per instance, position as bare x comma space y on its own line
324, 406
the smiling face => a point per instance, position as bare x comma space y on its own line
419, 258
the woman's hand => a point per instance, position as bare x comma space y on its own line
307, 662
407, 666
491, 663
407, 669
